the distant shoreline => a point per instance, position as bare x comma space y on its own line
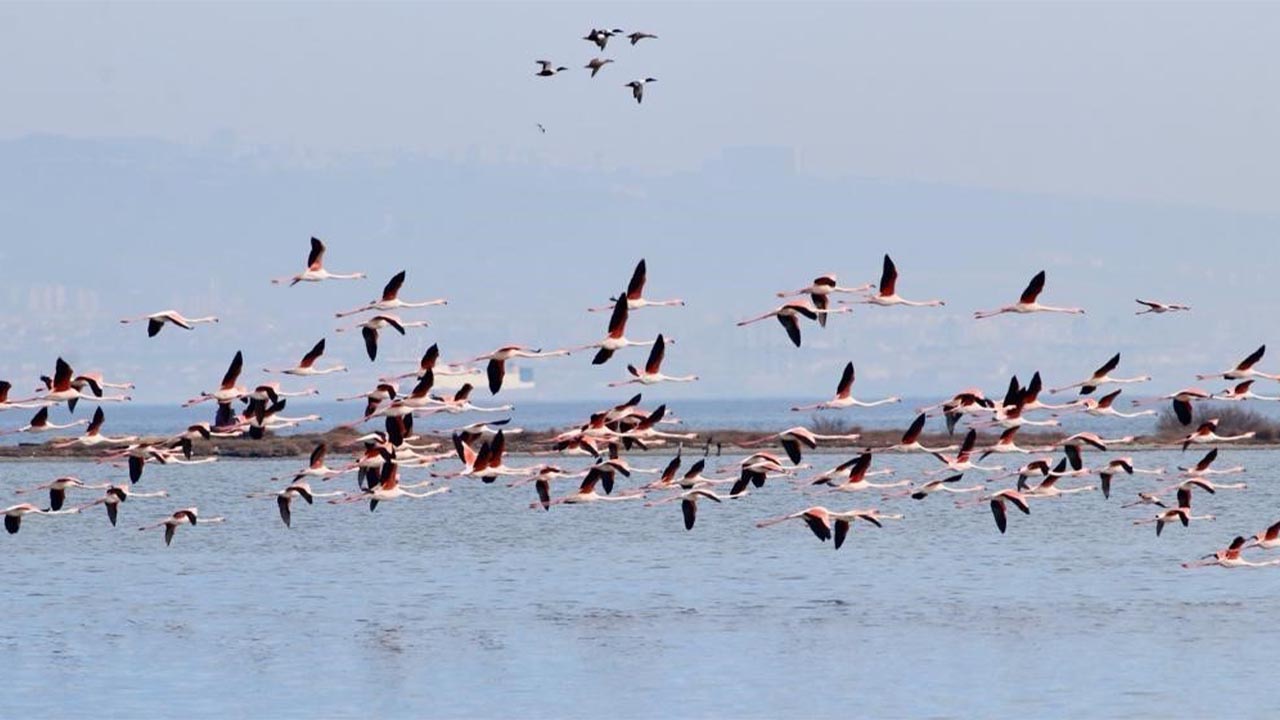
729, 440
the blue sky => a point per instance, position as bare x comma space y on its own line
155, 156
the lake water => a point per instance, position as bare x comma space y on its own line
470, 604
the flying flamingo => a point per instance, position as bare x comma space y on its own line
789, 317
1181, 402
616, 338
857, 478
1242, 391
963, 461
1122, 465
228, 391
185, 516
1244, 371
842, 522
58, 489
461, 402
819, 291
817, 518
1230, 557
1268, 539
387, 490
40, 423
1007, 444
1206, 484
585, 494
117, 494
635, 294
316, 467
888, 294
792, 438
911, 440
315, 271
1028, 302
1207, 434
93, 435
284, 498
369, 329
941, 485
1100, 377
849, 467
26, 404
652, 372
844, 397
1103, 407
1181, 513
999, 510
497, 367
688, 503
157, 321
13, 515
66, 386
1203, 468
390, 299
1160, 308
1048, 487
307, 365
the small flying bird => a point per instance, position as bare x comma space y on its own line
596, 63
1028, 302
157, 321
390, 299
315, 271
1160, 308
637, 88
547, 69
636, 37
601, 37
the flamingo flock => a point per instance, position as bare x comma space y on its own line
383, 459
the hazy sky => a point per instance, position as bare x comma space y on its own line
180, 155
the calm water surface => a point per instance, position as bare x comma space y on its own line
470, 604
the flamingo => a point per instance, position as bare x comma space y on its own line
1268, 539
1031, 396
1160, 308
1242, 391
1103, 407
942, 485
789, 317
636, 37
999, 510
586, 493
755, 470
911, 440
14, 513
1145, 498
430, 363
185, 516
373, 398
1207, 434
497, 367
1244, 371
651, 374
817, 518
66, 386
548, 69
40, 423
819, 290
829, 477
460, 403
688, 503
117, 494
1028, 302
369, 329
1100, 377
1122, 465
842, 522
1203, 468
1181, 402
156, 321
316, 467
888, 294
315, 271
616, 338
637, 88
857, 478
307, 365
26, 404
284, 498
1007, 444
390, 299
58, 489
1048, 486
387, 490
963, 462
792, 438
844, 395
93, 435
1181, 513
228, 391
635, 294
1230, 557
1207, 485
